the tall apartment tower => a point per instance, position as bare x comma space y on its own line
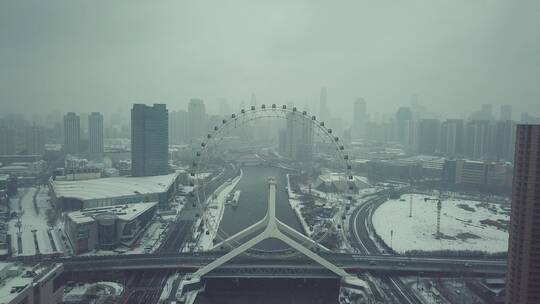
149, 140
324, 112
196, 119
7, 141
34, 140
506, 112
72, 133
523, 272
95, 136
359, 118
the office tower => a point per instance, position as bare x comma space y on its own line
428, 136
403, 114
95, 136
35, 140
452, 137
411, 136
72, 133
506, 112
299, 138
224, 108
178, 127
359, 119
477, 139
7, 141
486, 112
149, 140
324, 113
197, 119
503, 141
523, 275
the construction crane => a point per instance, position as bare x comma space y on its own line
439, 208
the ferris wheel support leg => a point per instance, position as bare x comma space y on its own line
234, 239
299, 237
312, 255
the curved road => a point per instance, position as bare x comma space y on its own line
359, 226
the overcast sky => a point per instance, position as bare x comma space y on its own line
105, 55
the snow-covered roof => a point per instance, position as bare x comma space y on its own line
113, 186
122, 212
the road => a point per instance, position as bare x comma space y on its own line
360, 224
145, 287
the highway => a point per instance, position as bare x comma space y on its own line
360, 224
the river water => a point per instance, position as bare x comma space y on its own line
252, 207
254, 203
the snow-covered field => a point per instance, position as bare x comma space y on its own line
465, 225
33, 219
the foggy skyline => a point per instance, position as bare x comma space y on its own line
102, 56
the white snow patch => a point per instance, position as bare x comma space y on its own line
418, 232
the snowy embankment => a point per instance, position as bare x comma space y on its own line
466, 225
214, 213
296, 205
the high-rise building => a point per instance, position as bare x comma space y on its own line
35, 140
503, 141
428, 136
451, 138
299, 138
324, 112
477, 139
72, 133
487, 111
403, 115
149, 140
178, 127
95, 135
359, 119
506, 112
7, 141
523, 267
197, 119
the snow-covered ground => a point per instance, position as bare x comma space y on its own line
214, 213
465, 225
33, 219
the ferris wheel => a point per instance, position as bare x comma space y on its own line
211, 148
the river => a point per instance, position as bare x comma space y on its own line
253, 203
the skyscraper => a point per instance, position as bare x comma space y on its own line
477, 139
197, 124
72, 133
451, 139
506, 112
523, 274
299, 138
95, 135
324, 113
403, 114
178, 127
149, 140
7, 141
359, 119
35, 140
428, 136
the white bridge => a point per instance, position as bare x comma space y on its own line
269, 227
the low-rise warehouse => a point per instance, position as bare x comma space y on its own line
107, 227
83, 194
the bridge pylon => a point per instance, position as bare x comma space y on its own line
270, 227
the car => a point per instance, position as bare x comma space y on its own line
372, 263
401, 264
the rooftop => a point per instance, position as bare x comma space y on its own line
122, 212
113, 187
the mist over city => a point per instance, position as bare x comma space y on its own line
197, 152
